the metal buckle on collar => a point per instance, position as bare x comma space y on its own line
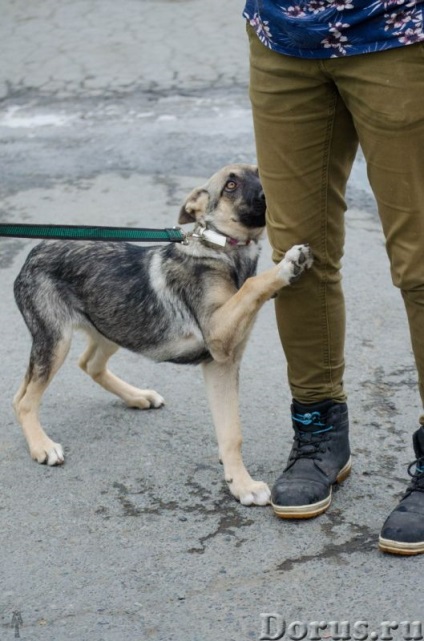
210, 236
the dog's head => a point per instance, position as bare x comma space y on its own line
231, 202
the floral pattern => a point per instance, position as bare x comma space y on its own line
334, 28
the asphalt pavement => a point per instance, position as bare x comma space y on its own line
110, 113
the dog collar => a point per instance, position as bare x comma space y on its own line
216, 238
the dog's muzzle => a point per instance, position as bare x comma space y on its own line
254, 213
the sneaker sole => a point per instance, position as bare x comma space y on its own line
313, 509
397, 547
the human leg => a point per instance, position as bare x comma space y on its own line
306, 144
385, 94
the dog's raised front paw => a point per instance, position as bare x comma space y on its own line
296, 260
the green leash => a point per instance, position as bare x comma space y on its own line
85, 232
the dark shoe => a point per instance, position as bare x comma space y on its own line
319, 458
403, 531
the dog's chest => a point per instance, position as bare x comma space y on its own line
185, 347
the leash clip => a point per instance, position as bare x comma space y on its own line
181, 231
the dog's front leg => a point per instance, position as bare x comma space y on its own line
231, 323
222, 390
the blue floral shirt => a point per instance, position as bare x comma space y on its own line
333, 28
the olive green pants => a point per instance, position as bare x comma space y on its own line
309, 116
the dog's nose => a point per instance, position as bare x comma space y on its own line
260, 198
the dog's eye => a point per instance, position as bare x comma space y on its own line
230, 185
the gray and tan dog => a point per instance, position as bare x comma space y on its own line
187, 303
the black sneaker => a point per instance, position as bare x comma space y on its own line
319, 458
403, 531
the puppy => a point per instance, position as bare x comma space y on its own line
192, 303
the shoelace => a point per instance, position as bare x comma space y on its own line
417, 483
310, 444
308, 418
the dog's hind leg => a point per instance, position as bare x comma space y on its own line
47, 355
94, 362
222, 390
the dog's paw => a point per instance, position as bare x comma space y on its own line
253, 493
296, 260
48, 453
145, 399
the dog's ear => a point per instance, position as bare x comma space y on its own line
194, 207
